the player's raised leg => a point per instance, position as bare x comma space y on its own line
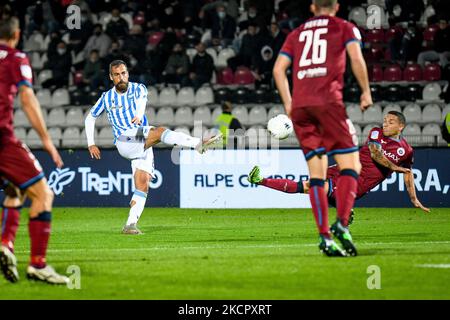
161, 134
137, 203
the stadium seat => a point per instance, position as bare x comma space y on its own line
412, 72
243, 76
241, 96
391, 107
32, 140
257, 115
204, 95
393, 32
374, 36
56, 136
60, 97
358, 129
34, 43
225, 76
56, 118
151, 114
413, 92
429, 32
167, 96
186, 96
241, 113
71, 137
431, 129
20, 119
369, 127
153, 96
432, 92
224, 55
155, 37
105, 137
20, 133
128, 18
354, 113
102, 120
392, 73
412, 113
431, 114
183, 129
218, 111
376, 73
36, 61
274, 111
183, 116
358, 16
43, 76
352, 94
376, 92
221, 95
372, 114
432, 72
191, 52
213, 53
44, 97
261, 95
83, 139
78, 78
203, 114
412, 129
164, 116
393, 93
74, 117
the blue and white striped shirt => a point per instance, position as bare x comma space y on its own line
122, 108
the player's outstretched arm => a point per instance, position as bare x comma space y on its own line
409, 182
32, 109
377, 155
279, 74
359, 69
89, 124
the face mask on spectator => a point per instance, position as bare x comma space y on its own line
97, 32
61, 51
252, 14
168, 11
221, 14
115, 19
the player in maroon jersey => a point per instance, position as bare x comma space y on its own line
19, 166
384, 152
317, 52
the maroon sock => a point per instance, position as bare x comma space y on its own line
39, 229
345, 194
10, 223
319, 203
284, 185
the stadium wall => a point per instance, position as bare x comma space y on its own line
218, 180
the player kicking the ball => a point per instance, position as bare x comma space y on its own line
376, 166
317, 52
125, 107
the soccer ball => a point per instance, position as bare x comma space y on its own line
280, 126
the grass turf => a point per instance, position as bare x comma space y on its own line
239, 254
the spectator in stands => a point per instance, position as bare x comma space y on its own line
135, 43
170, 14
252, 17
410, 45
277, 38
55, 39
115, 53
404, 10
177, 67
441, 46
226, 122
153, 65
60, 64
263, 66
223, 26
202, 67
92, 71
99, 41
118, 26
251, 43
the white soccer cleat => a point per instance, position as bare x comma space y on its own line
131, 229
47, 274
8, 264
209, 143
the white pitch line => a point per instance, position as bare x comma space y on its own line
299, 245
435, 266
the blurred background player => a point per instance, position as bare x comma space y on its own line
384, 152
125, 106
19, 166
316, 50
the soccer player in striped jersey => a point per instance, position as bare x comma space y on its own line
125, 105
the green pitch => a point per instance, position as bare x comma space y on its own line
240, 254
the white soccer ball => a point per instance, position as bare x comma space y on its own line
280, 126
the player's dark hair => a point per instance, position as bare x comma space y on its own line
8, 26
116, 63
399, 115
324, 3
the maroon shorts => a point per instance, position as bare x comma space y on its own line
18, 165
324, 129
333, 173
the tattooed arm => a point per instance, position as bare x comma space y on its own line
377, 155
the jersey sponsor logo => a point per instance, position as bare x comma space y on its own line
312, 73
391, 156
383, 141
3, 54
26, 71
401, 151
374, 135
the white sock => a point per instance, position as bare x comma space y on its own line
179, 139
139, 199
